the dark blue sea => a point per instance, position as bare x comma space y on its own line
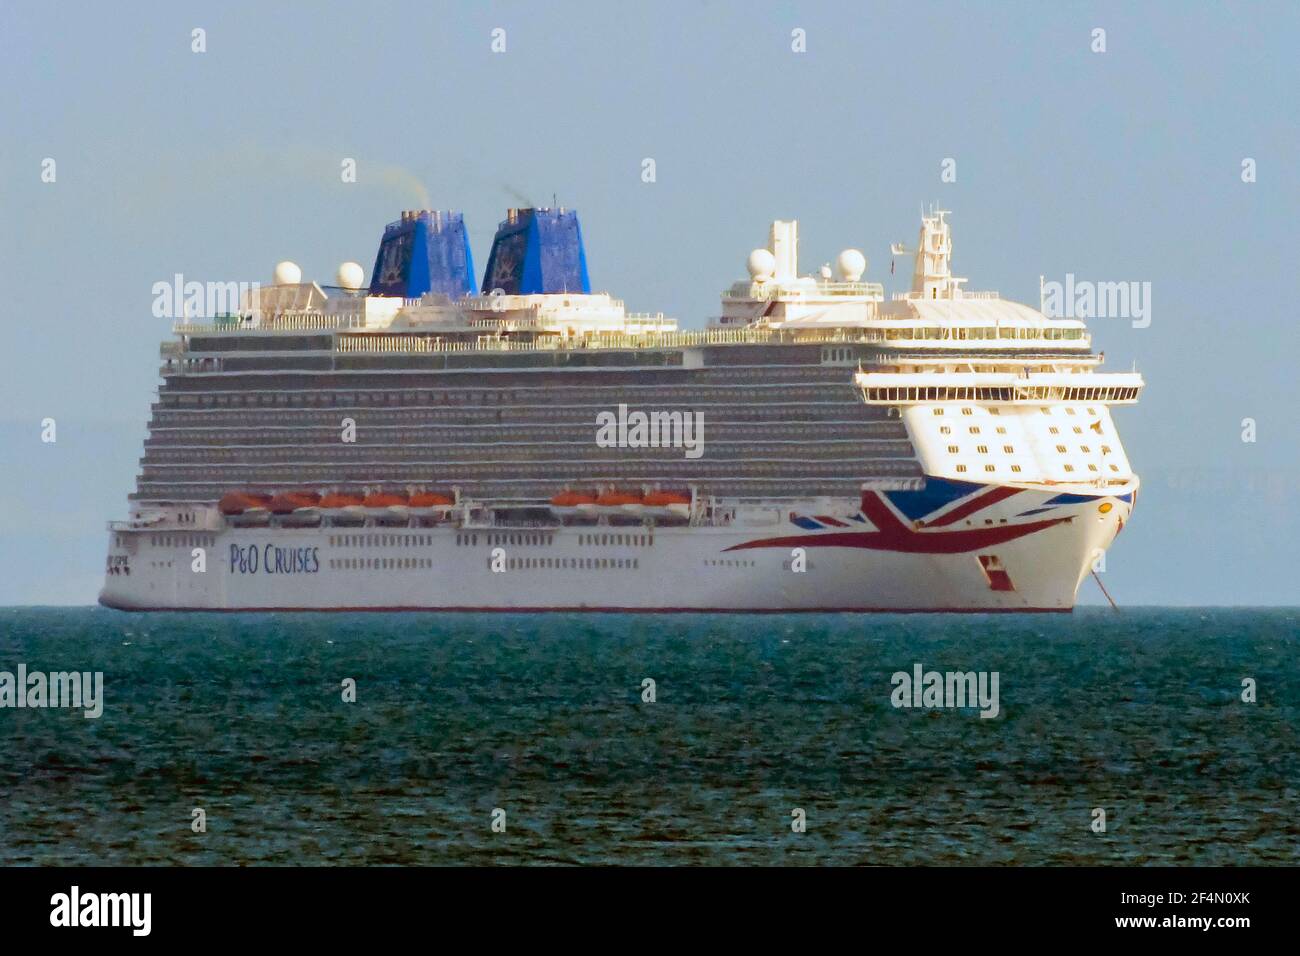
1139, 713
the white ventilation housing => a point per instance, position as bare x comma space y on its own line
784, 244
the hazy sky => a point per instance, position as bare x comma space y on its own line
1122, 165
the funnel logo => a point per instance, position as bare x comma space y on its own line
395, 259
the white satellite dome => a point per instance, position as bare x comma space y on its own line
851, 264
287, 273
351, 275
761, 265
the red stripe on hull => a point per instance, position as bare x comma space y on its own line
592, 610
905, 540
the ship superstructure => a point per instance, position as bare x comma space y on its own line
427, 442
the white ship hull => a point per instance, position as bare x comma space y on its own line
988, 548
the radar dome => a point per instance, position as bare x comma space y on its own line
351, 275
851, 264
761, 264
287, 273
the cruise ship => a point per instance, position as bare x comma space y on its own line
423, 443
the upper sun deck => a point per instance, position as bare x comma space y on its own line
537, 296
567, 314
936, 313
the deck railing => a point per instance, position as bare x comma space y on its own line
424, 343
597, 341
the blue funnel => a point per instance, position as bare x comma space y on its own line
425, 251
536, 251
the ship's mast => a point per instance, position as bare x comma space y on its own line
783, 243
932, 276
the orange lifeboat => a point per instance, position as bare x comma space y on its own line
572, 499
296, 509
243, 508
620, 502
662, 499
568, 503
335, 502
343, 509
290, 501
430, 499
384, 499
675, 504
386, 504
430, 504
240, 502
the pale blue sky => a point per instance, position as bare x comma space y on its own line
1117, 166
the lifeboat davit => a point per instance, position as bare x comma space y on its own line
569, 503
343, 508
620, 502
385, 505
668, 504
244, 508
429, 504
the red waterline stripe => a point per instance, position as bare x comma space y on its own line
906, 541
582, 609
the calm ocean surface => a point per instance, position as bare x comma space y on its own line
1138, 712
